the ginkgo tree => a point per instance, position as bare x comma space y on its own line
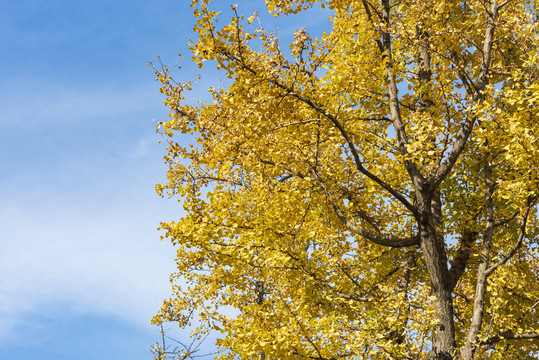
370, 193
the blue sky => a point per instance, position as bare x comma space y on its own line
82, 268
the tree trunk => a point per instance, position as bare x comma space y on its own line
259, 300
432, 246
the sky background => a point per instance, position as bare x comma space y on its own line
82, 270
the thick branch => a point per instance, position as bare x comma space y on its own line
482, 80
385, 241
359, 165
339, 126
502, 222
367, 6
508, 336
503, 4
354, 297
464, 78
351, 146
461, 258
317, 120
407, 272
482, 272
394, 107
443, 170
424, 71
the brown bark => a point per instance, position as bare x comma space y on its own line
429, 207
433, 249
259, 300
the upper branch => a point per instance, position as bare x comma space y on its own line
392, 91
461, 258
359, 164
443, 170
509, 255
385, 241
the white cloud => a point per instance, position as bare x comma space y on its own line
96, 259
79, 227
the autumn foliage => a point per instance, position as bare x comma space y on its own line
367, 194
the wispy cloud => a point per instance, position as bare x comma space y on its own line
95, 257
79, 221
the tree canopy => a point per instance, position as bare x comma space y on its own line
370, 193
